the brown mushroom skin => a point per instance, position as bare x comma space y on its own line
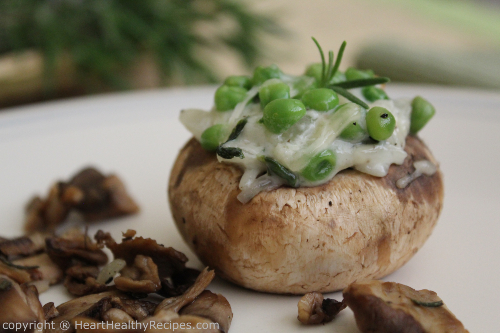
295, 241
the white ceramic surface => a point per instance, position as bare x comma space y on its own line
137, 135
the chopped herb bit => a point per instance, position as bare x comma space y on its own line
8, 263
261, 120
5, 284
237, 129
362, 82
274, 167
436, 304
229, 152
349, 96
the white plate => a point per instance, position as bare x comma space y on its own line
137, 135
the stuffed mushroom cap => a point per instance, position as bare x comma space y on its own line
299, 240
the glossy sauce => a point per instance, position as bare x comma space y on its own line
315, 132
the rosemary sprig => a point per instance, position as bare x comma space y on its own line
349, 96
328, 72
362, 83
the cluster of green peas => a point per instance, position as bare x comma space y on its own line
281, 110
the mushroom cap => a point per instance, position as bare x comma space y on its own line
299, 240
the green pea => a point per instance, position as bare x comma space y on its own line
321, 99
261, 74
213, 136
353, 132
421, 112
314, 70
380, 123
320, 166
241, 81
338, 77
227, 97
303, 84
273, 90
373, 94
356, 74
281, 114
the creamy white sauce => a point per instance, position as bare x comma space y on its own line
315, 132
422, 167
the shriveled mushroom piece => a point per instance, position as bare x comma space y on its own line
201, 310
82, 280
135, 308
107, 306
79, 257
175, 304
381, 307
33, 301
211, 306
50, 311
76, 307
46, 214
97, 196
179, 282
141, 277
92, 194
20, 274
314, 309
75, 247
123, 308
45, 266
175, 278
19, 304
23, 246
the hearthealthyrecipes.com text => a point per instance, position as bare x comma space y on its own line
87, 325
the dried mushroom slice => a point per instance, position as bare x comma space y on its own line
82, 280
19, 303
90, 193
50, 311
211, 311
175, 304
20, 274
97, 196
136, 309
141, 277
211, 306
314, 309
381, 307
34, 216
48, 270
23, 246
175, 278
76, 307
75, 247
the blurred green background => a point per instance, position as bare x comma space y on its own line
61, 48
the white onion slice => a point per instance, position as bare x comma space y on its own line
110, 270
263, 183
